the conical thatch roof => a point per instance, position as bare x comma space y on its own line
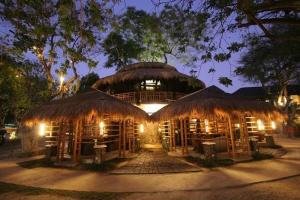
84, 104
146, 70
213, 101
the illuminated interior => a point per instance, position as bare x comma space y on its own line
151, 107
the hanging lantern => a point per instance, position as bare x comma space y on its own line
101, 128
273, 125
42, 129
206, 123
260, 125
141, 128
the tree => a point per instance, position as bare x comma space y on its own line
274, 64
60, 34
235, 14
22, 86
140, 36
87, 81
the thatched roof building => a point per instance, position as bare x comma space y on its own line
85, 104
135, 73
213, 101
146, 70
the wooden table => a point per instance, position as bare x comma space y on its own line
99, 149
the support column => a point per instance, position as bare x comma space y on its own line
75, 144
182, 138
120, 138
231, 137
186, 135
246, 135
227, 136
124, 138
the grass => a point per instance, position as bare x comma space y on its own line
261, 156
210, 163
35, 191
43, 162
103, 167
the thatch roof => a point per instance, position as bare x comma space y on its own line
146, 70
85, 104
213, 101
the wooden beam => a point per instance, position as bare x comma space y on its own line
182, 139
246, 135
75, 144
227, 140
231, 137
120, 138
124, 138
186, 134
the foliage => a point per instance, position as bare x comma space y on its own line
60, 34
87, 81
140, 36
21, 86
225, 81
236, 16
271, 62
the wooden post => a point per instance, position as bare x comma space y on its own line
129, 136
120, 138
231, 137
246, 135
171, 136
75, 141
186, 134
124, 138
227, 141
181, 134
59, 142
174, 135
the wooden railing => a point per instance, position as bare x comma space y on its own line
149, 96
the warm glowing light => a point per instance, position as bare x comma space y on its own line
151, 108
260, 125
12, 136
101, 128
237, 125
206, 125
159, 130
141, 128
273, 125
282, 100
34, 48
61, 79
42, 129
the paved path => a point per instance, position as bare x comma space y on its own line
234, 176
155, 161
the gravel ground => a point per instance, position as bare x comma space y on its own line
287, 189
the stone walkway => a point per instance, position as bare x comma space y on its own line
155, 161
238, 175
